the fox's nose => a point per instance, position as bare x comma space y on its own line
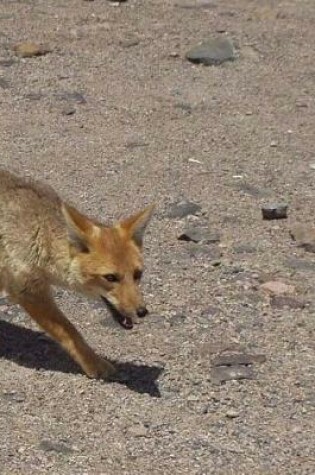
141, 312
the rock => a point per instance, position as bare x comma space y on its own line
275, 211
300, 265
6, 63
177, 319
199, 235
281, 301
34, 96
211, 253
231, 414
4, 84
29, 50
59, 447
276, 287
220, 374
68, 111
138, 430
244, 249
182, 209
72, 97
238, 359
189, 5
304, 236
212, 52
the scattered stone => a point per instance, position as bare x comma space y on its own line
129, 42
244, 249
273, 143
72, 96
211, 253
276, 287
68, 111
177, 319
231, 414
6, 63
199, 235
29, 50
280, 301
238, 359
212, 52
220, 374
190, 5
304, 237
4, 84
182, 209
275, 211
138, 430
210, 312
253, 190
59, 447
300, 265
34, 96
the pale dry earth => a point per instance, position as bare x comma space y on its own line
114, 117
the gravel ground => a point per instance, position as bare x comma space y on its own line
114, 117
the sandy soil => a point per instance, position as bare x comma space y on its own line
114, 117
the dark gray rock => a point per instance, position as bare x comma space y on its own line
211, 253
4, 84
196, 234
182, 209
212, 52
282, 301
275, 211
300, 265
220, 374
304, 236
59, 447
71, 97
68, 111
238, 359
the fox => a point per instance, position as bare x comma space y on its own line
47, 242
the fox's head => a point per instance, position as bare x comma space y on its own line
107, 263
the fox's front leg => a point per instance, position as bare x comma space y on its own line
42, 308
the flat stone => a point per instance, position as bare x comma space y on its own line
238, 359
211, 253
220, 374
244, 249
138, 430
59, 447
197, 4
34, 96
28, 49
72, 97
4, 84
300, 265
275, 211
281, 301
68, 111
196, 235
182, 209
6, 63
212, 52
304, 236
276, 287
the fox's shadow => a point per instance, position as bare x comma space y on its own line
34, 350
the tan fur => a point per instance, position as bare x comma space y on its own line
45, 242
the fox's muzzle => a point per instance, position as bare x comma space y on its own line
126, 321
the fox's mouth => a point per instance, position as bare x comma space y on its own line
123, 320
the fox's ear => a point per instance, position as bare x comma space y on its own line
80, 228
136, 225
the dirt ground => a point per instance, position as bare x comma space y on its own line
114, 117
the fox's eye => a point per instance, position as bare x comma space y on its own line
137, 274
111, 277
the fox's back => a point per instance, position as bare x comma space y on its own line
28, 210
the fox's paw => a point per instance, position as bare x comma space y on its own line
102, 369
